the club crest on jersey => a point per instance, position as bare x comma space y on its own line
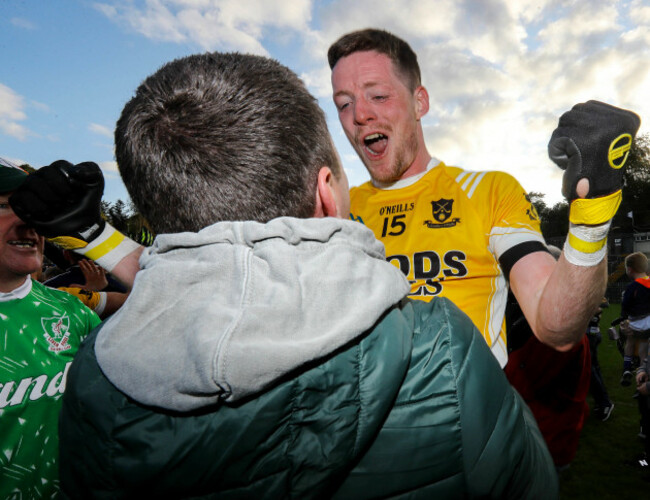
441, 211
532, 211
57, 332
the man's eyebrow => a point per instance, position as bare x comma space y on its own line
366, 85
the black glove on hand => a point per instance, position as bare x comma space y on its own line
62, 199
592, 141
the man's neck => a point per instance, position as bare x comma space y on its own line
407, 180
10, 284
418, 166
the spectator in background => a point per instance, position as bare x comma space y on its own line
75, 274
603, 405
41, 331
93, 291
643, 387
635, 308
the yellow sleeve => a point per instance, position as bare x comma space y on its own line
93, 300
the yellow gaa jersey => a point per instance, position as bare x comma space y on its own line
455, 234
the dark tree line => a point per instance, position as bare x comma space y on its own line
126, 219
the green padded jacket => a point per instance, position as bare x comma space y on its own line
281, 360
401, 412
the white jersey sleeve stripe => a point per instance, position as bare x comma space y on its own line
468, 181
459, 179
478, 179
503, 239
471, 181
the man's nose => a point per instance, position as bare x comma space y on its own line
363, 112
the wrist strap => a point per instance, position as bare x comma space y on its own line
109, 248
586, 245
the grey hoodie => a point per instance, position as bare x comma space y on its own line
225, 312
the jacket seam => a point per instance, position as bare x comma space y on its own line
361, 415
454, 373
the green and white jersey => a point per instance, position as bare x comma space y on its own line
40, 331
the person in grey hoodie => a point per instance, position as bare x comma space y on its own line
267, 349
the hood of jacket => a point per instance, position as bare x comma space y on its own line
224, 313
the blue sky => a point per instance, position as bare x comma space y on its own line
499, 73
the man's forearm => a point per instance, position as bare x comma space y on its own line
126, 269
568, 302
557, 298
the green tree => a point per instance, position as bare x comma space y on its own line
636, 190
554, 221
125, 218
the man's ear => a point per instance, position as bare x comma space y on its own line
325, 199
421, 102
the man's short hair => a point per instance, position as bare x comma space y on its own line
637, 261
397, 50
222, 136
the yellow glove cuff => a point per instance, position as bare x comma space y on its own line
595, 211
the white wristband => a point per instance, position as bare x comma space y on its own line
586, 246
109, 248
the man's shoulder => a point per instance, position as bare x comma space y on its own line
64, 300
39, 289
475, 179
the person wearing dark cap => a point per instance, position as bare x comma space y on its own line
40, 330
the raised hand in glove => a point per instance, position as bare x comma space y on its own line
62, 202
592, 142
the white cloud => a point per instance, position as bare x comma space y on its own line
499, 72
23, 23
109, 166
596, 22
11, 113
212, 24
101, 130
640, 12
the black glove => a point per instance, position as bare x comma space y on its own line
592, 141
62, 199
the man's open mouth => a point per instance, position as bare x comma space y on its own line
23, 243
375, 143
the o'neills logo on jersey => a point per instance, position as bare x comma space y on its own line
441, 211
57, 332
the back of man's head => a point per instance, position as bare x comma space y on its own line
637, 262
370, 39
216, 137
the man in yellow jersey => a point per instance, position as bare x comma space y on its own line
466, 235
